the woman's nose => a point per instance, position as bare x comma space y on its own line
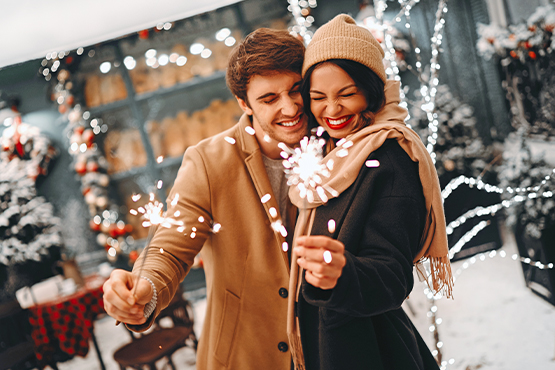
332, 108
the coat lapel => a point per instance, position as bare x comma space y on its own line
257, 171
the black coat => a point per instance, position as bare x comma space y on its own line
360, 324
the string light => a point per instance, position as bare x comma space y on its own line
300, 9
429, 91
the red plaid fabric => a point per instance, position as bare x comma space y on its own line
62, 329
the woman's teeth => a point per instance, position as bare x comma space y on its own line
335, 122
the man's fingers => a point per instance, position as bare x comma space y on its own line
119, 301
144, 292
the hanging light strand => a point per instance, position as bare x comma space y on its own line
479, 184
300, 9
429, 90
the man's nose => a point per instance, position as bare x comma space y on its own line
289, 106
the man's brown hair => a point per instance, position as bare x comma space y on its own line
263, 52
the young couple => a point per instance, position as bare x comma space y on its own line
346, 284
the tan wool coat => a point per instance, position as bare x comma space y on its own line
222, 180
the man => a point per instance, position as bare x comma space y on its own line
234, 179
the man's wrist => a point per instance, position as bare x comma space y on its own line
150, 306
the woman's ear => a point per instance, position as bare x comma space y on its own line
244, 106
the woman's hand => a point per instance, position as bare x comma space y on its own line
323, 258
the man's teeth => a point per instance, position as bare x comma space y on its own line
336, 122
290, 123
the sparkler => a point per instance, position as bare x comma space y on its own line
153, 216
305, 168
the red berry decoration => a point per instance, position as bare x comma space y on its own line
92, 166
88, 136
143, 34
532, 55
81, 168
113, 231
79, 130
94, 226
133, 255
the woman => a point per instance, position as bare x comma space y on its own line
387, 209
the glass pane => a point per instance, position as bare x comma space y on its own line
172, 134
122, 143
101, 78
180, 51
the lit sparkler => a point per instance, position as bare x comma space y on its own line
305, 168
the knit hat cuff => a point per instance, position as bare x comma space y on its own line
351, 48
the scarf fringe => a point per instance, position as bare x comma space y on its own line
296, 349
441, 276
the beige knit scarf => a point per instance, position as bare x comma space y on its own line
388, 124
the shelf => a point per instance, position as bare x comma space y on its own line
125, 175
193, 82
110, 106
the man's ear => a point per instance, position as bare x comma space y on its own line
244, 106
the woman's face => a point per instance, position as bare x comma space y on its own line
335, 100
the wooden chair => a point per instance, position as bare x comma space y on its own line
161, 341
16, 345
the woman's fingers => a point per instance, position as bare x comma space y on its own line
323, 258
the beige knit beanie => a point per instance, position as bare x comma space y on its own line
341, 38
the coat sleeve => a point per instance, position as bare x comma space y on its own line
172, 250
381, 229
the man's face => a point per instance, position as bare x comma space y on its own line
276, 106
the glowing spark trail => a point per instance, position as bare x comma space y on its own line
305, 168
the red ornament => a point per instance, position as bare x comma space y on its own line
81, 168
128, 228
94, 226
79, 130
549, 27
92, 166
121, 230
133, 255
113, 231
143, 34
532, 28
527, 45
513, 54
62, 109
88, 136
532, 55
70, 100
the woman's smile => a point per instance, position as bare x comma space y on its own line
339, 123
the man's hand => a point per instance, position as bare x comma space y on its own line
323, 258
119, 301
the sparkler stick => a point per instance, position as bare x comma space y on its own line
151, 232
153, 216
